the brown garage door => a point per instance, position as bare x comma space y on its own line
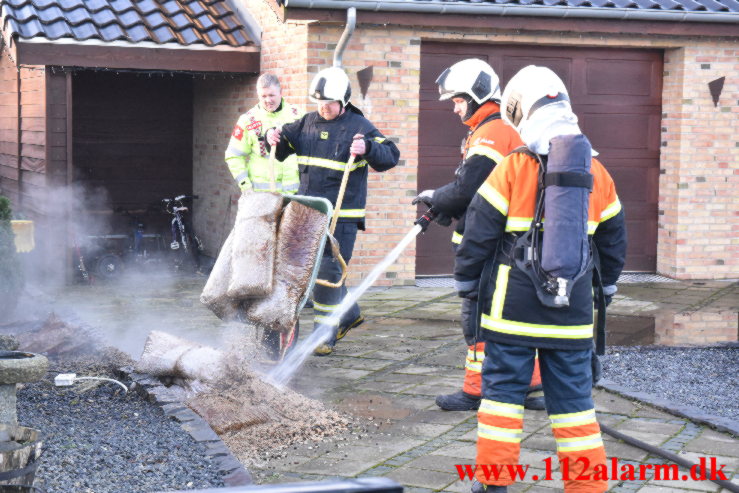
617, 96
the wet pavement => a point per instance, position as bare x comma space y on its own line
409, 350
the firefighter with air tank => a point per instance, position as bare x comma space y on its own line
549, 223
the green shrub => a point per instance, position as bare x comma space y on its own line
11, 276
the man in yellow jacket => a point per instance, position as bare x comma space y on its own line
247, 156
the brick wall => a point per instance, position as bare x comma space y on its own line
218, 104
700, 155
391, 104
699, 222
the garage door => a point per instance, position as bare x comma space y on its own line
617, 96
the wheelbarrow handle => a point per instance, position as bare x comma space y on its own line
337, 255
342, 190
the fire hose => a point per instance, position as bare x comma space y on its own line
666, 455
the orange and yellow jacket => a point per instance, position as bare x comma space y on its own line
504, 207
488, 141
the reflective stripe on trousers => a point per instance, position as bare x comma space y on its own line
326, 299
567, 382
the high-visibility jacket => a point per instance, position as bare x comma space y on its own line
504, 206
247, 156
488, 141
322, 149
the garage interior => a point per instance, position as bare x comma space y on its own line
131, 148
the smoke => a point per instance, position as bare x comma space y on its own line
78, 225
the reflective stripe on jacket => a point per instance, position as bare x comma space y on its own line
488, 141
247, 156
513, 313
322, 150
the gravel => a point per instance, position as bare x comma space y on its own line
98, 439
705, 378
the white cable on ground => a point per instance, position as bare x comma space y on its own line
125, 389
67, 379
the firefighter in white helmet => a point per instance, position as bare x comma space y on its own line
504, 230
323, 140
473, 86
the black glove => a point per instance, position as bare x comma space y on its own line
606, 297
596, 367
467, 289
424, 197
443, 220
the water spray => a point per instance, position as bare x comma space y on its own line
283, 372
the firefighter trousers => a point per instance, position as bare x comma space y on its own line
567, 381
475, 353
326, 299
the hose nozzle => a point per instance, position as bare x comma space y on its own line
426, 219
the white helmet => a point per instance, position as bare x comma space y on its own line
530, 89
330, 84
473, 77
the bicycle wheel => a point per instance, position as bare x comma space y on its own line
109, 266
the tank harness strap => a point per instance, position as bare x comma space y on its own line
569, 179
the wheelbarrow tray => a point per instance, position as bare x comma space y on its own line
323, 206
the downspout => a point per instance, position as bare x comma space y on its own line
351, 22
435, 7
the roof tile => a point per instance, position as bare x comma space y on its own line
183, 22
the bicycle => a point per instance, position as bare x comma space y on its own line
184, 239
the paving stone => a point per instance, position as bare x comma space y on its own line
649, 426
368, 454
437, 416
441, 463
333, 466
540, 441
731, 463
687, 485
384, 386
425, 430
410, 379
714, 445
624, 451
464, 450
398, 355
612, 403
535, 458
422, 477
418, 370
662, 489
431, 390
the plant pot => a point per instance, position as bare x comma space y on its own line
20, 450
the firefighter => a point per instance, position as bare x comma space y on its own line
247, 156
515, 322
323, 141
473, 87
